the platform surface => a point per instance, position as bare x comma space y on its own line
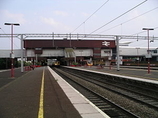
20, 97
137, 74
84, 106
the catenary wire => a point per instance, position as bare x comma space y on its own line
118, 17
130, 20
8, 38
142, 31
90, 16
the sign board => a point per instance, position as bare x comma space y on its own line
106, 43
148, 56
12, 55
119, 60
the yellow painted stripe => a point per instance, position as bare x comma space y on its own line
41, 111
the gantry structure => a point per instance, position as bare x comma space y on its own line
70, 37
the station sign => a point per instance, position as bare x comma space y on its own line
148, 56
105, 43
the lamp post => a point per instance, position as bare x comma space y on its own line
148, 47
11, 54
137, 56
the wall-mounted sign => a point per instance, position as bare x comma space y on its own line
106, 43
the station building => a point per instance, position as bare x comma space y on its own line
69, 51
38, 51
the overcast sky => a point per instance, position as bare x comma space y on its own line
64, 16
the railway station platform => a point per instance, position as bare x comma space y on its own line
132, 73
41, 93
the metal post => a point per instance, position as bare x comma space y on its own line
109, 59
22, 54
12, 60
148, 54
70, 40
137, 56
36, 58
148, 47
11, 54
117, 52
53, 38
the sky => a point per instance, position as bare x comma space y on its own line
110, 17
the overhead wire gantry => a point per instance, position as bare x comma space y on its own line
70, 37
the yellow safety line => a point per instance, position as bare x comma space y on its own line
41, 112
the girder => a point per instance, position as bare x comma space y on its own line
76, 36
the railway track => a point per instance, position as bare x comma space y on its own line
107, 106
142, 97
146, 96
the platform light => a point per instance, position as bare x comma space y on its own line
148, 47
12, 54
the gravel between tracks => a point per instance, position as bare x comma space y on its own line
136, 108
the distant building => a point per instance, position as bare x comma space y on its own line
139, 54
70, 50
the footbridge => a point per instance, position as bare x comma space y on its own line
6, 53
